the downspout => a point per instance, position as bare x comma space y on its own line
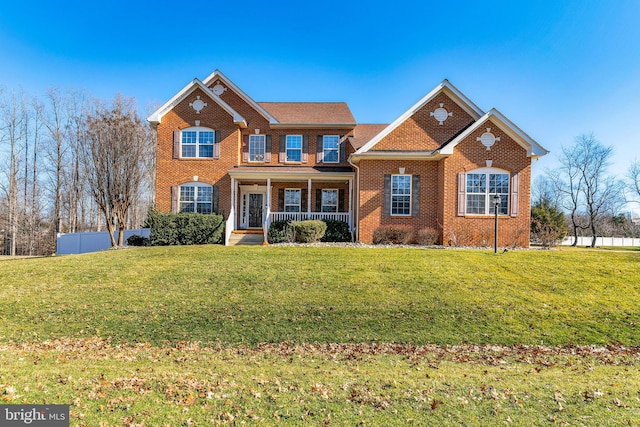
356, 204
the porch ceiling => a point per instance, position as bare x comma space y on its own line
292, 173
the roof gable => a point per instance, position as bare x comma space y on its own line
507, 126
156, 116
445, 86
218, 75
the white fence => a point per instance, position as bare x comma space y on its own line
603, 241
81, 243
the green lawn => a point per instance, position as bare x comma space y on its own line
324, 336
272, 294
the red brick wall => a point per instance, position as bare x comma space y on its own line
371, 184
422, 132
470, 154
211, 171
439, 193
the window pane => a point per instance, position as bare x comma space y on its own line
330, 149
206, 137
205, 194
292, 200
256, 148
476, 183
476, 204
329, 200
206, 151
189, 137
498, 183
401, 195
294, 148
187, 193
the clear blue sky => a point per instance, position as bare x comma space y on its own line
556, 68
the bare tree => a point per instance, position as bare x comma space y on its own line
116, 147
588, 192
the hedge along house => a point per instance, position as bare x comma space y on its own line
435, 167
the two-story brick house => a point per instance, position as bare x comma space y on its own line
437, 166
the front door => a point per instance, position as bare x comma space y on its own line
255, 210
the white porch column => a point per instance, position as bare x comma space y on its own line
351, 203
234, 202
309, 195
268, 203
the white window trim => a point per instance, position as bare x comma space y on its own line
197, 130
488, 196
324, 150
197, 186
286, 149
391, 195
284, 202
322, 204
264, 147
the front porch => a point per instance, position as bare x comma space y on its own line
262, 195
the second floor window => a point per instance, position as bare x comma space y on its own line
256, 148
197, 143
330, 148
294, 148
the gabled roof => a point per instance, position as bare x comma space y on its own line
507, 126
217, 74
305, 114
445, 86
156, 116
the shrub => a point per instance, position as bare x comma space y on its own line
337, 231
427, 237
309, 231
393, 235
137, 240
280, 232
184, 228
548, 224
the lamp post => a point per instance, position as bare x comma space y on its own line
496, 205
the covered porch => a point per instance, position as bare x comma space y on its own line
262, 195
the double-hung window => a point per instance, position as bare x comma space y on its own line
329, 200
197, 143
481, 187
330, 149
401, 195
294, 148
292, 200
256, 148
196, 198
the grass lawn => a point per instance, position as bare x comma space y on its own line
113, 333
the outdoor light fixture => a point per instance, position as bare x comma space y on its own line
496, 203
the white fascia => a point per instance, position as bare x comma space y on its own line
156, 117
534, 149
217, 74
445, 86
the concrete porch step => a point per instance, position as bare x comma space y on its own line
246, 237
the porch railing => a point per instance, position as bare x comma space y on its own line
302, 216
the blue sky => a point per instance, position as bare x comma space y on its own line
555, 68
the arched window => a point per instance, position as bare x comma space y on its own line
196, 197
480, 186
